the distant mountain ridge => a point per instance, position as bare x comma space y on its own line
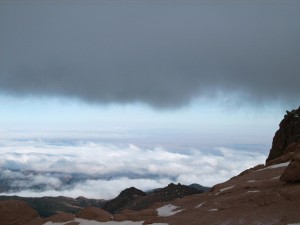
200, 187
135, 199
130, 198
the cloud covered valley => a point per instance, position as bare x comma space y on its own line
64, 165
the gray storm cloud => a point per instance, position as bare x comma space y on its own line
162, 53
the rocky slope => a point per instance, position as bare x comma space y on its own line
263, 195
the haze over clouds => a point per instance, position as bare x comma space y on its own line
162, 53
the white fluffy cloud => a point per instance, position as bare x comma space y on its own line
41, 167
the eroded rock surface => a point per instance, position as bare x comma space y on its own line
288, 133
292, 172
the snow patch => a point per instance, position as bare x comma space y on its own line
251, 181
279, 165
168, 210
275, 178
198, 206
293, 224
213, 210
254, 191
225, 189
276, 166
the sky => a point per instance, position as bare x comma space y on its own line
177, 91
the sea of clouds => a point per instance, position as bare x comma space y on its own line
43, 164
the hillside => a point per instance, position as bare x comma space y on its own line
48, 206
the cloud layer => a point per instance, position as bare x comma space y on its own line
162, 53
97, 170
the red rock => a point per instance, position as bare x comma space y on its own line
284, 158
292, 172
257, 197
289, 132
15, 212
292, 148
93, 213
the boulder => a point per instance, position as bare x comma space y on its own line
15, 212
292, 172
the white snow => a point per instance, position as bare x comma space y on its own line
225, 189
276, 166
279, 165
168, 210
251, 181
293, 224
254, 191
213, 210
275, 178
159, 224
93, 222
198, 206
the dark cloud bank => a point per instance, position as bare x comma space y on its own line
162, 53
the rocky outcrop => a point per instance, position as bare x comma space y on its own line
125, 197
286, 146
292, 172
173, 191
288, 133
